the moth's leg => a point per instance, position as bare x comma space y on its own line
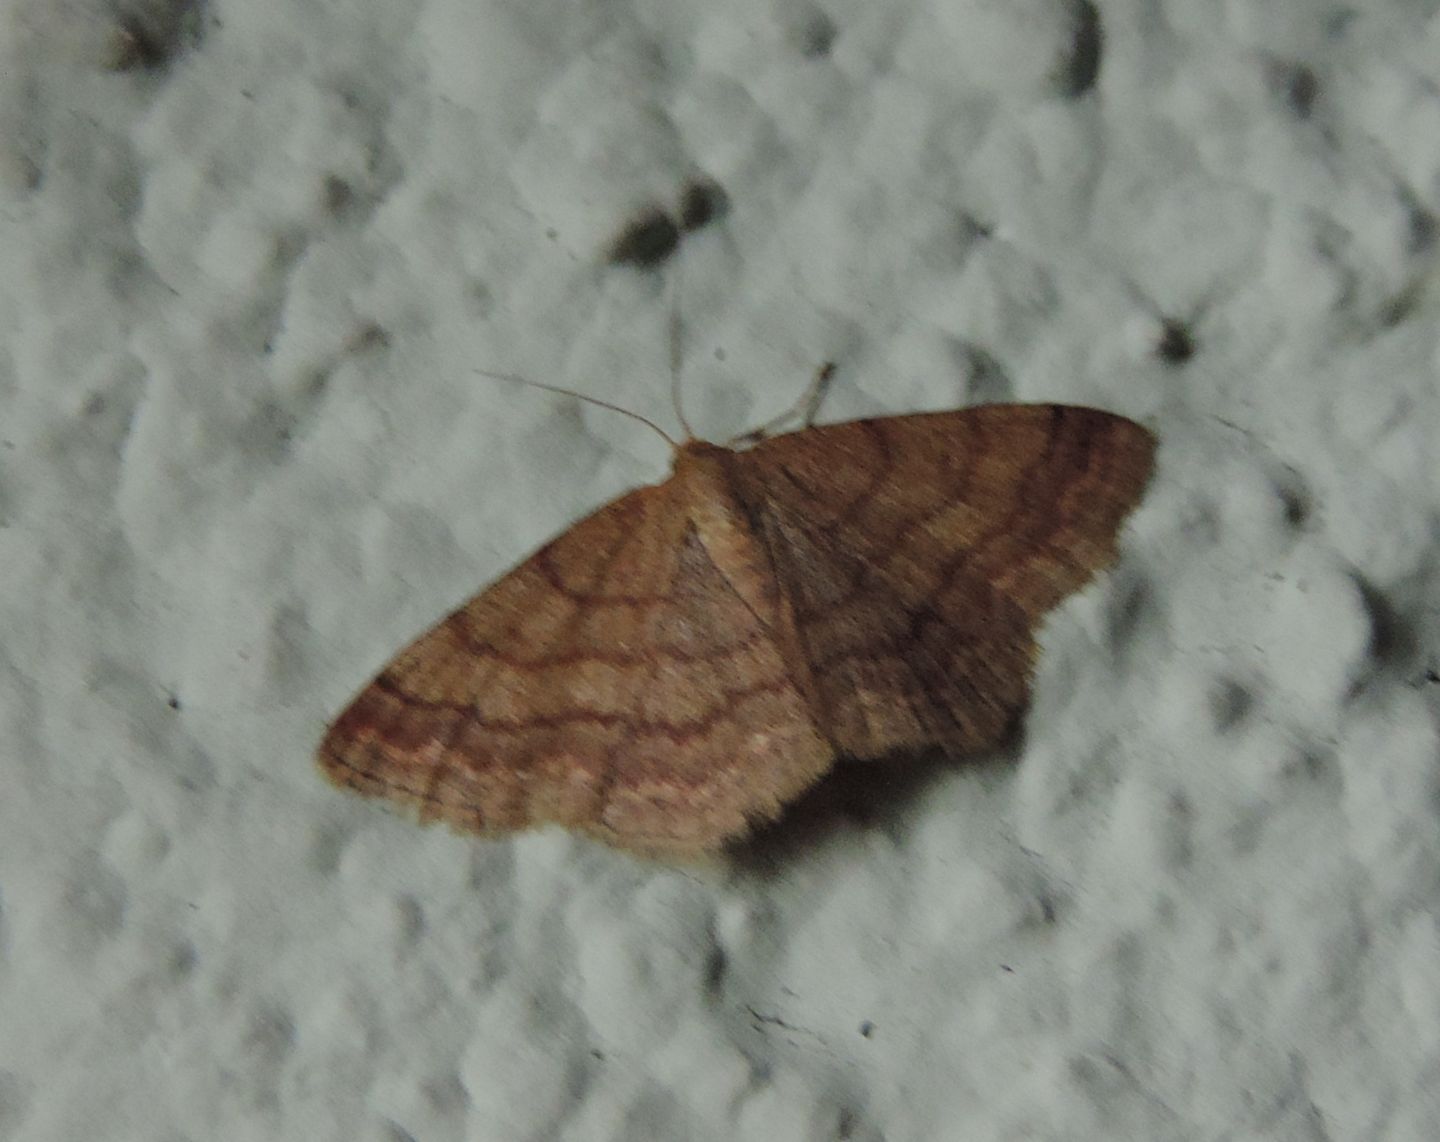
804, 410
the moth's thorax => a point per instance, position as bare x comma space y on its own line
703, 482
704, 479
702, 470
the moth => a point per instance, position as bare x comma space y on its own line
676, 668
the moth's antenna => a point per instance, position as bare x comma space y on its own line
582, 397
675, 356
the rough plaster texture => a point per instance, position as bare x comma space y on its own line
250, 256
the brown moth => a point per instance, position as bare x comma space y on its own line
674, 669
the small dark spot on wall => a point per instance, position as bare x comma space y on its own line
715, 966
1081, 67
1176, 344
815, 35
149, 34
1294, 498
1392, 639
1301, 91
1401, 306
1229, 703
1422, 229
338, 195
986, 379
369, 337
1294, 84
135, 48
701, 202
646, 241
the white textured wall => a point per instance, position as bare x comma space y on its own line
250, 254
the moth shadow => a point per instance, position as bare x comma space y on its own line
858, 797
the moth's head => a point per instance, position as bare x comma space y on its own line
692, 454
